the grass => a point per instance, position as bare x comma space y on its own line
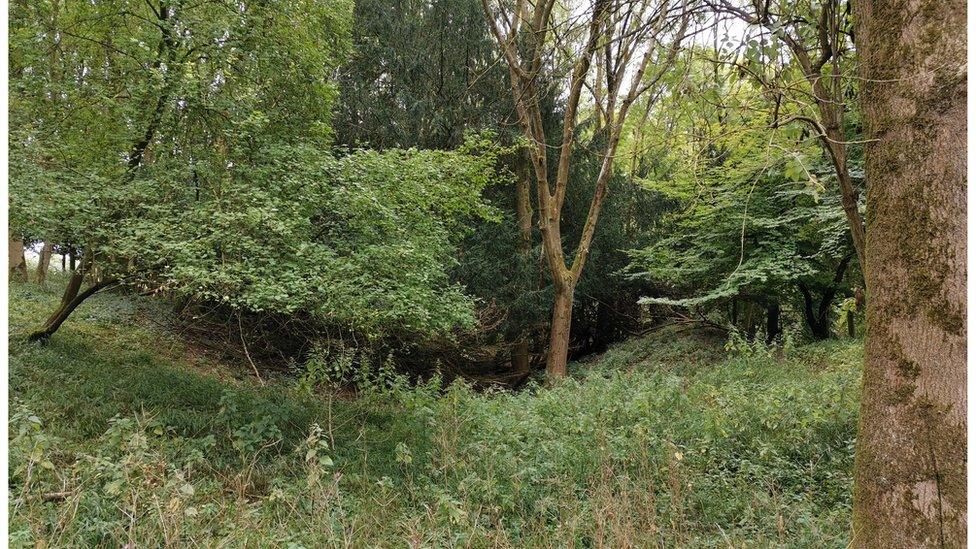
122, 433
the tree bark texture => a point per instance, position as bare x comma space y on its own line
523, 211
44, 262
15, 258
562, 317
910, 470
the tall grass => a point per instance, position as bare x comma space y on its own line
118, 438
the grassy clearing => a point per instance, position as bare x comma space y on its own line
120, 433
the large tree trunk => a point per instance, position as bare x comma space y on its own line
562, 316
910, 471
15, 257
43, 262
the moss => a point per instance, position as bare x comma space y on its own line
909, 368
900, 395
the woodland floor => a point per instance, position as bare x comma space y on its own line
122, 433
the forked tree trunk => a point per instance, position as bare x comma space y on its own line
72, 297
530, 25
816, 317
910, 469
70, 301
43, 262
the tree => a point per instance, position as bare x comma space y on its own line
910, 469
638, 42
140, 83
813, 85
422, 73
751, 220
16, 263
44, 261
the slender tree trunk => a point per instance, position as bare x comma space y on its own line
520, 357
910, 470
72, 261
831, 107
772, 322
17, 263
523, 211
750, 326
43, 262
562, 316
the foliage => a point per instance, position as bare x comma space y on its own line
756, 213
364, 241
421, 75
101, 89
225, 192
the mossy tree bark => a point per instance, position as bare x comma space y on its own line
16, 263
910, 477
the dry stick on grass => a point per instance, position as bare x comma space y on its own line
240, 328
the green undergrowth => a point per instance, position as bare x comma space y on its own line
120, 433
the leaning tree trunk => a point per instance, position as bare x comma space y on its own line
72, 297
43, 262
910, 471
70, 301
